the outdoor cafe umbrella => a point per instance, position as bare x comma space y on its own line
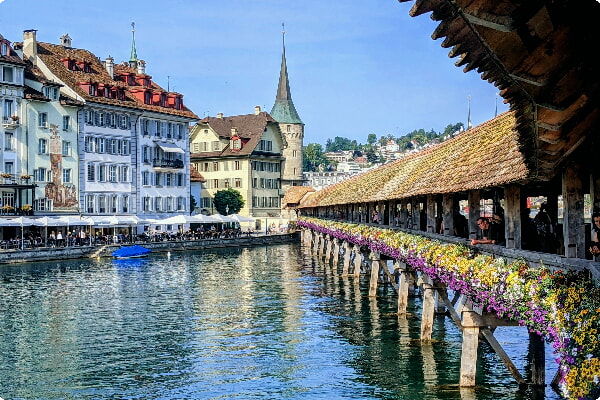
46, 222
19, 221
240, 218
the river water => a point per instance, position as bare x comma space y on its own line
268, 322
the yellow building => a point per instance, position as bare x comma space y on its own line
243, 152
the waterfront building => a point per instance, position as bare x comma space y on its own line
132, 144
243, 152
15, 193
52, 161
291, 126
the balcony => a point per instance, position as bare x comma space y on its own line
10, 123
167, 164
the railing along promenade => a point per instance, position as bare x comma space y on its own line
37, 254
557, 298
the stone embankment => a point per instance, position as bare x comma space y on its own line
63, 253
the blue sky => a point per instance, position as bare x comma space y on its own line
355, 66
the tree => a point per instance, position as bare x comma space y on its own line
371, 138
228, 201
340, 143
371, 156
312, 157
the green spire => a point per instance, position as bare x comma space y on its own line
283, 110
133, 60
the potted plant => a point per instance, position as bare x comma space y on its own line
7, 208
15, 118
5, 175
26, 209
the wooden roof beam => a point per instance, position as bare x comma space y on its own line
504, 24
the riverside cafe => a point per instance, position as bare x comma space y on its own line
28, 232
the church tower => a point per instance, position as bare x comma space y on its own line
291, 127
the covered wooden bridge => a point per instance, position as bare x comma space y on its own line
540, 56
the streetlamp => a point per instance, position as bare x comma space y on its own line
226, 209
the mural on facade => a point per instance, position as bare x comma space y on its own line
63, 196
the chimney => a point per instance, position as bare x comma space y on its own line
65, 40
220, 115
30, 45
109, 64
256, 110
233, 132
141, 67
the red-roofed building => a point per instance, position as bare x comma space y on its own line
132, 151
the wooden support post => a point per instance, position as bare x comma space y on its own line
448, 214
391, 207
317, 242
322, 240
474, 323
431, 205
474, 212
573, 224
336, 252
329, 250
347, 258
512, 216
375, 260
357, 261
403, 214
468, 356
428, 308
403, 285
537, 359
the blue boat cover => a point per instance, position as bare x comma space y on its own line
131, 251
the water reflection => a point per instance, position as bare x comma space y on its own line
264, 322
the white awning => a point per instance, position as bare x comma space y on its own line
170, 148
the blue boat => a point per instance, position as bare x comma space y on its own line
131, 252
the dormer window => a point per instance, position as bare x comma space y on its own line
235, 143
92, 90
51, 92
163, 100
147, 97
4, 49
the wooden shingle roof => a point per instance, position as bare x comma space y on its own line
485, 156
294, 194
541, 56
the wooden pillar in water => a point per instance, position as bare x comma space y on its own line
573, 224
375, 260
347, 258
428, 308
512, 216
470, 343
537, 359
316, 242
336, 252
322, 240
403, 284
329, 248
357, 260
